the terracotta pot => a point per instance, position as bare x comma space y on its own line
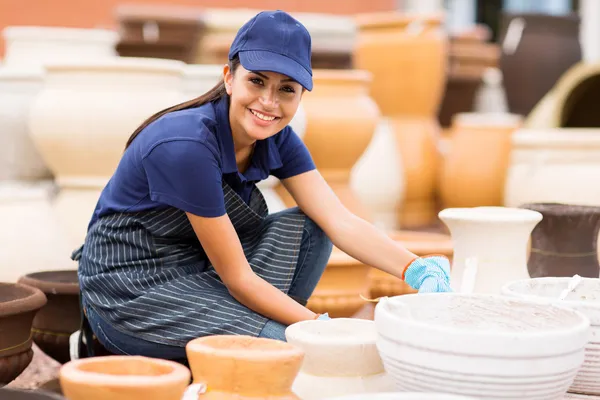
60, 317
18, 306
565, 242
420, 243
474, 168
243, 368
14, 394
341, 120
123, 378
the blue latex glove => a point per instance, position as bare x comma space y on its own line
429, 274
324, 317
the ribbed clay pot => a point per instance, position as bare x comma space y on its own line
60, 317
123, 378
565, 242
341, 120
234, 367
18, 306
15, 394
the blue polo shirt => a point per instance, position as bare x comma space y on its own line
182, 159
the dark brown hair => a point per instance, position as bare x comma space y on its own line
213, 94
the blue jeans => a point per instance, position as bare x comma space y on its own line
315, 250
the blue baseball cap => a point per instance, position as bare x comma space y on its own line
274, 41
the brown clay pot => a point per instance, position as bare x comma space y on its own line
244, 368
341, 120
60, 317
565, 242
339, 289
123, 378
14, 394
18, 305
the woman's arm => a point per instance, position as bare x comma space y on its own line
351, 234
224, 250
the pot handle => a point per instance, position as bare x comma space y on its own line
469, 275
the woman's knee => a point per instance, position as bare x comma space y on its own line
319, 241
273, 330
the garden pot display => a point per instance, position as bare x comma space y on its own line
529, 40
30, 47
14, 394
123, 378
584, 298
403, 396
19, 159
480, 345
82, 118
18, 306
244, 367
341, 358
554, 166
490, 246
60, 317
341, 120
473, 172
407, 54
565, 242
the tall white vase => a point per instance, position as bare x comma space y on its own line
490, 246
82, 118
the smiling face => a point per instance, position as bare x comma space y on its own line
262, 103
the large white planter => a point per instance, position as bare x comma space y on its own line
560, 165
490, 246
341, 358
19, 159
31, 239
81, 120
586, 299
377, 178
33, 46
484, 346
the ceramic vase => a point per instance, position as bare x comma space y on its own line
18, 306
61, 316
553, 166
565, 242
478, 344
407, 55
123, 378
243, 367
473, 172
583, 298
82, 118
341, 358
490, 246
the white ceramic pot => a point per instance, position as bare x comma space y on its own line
479, 345
341, 358
558, 165
31, 239
19, 159
378, 177
584, 298
33, 46
403, 396
82, 118
199, 79
490, 246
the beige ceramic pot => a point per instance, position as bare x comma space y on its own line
474, 168
123, 378
233, 367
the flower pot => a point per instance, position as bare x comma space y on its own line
477, 344
244, 367
123, 378
14, 394
565, 242
340, 358
490, 246
60, 317
584, 299
18, 306
82, 118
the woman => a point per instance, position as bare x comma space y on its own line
181, 244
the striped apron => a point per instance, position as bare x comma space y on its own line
147, 274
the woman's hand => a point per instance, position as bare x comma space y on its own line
429, 274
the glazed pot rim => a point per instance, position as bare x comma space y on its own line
60, 33
72, 372
27, 393
561, 209
34, 300
298, 332
40, 280
498, 214
560, 138
14, 74
117, 64
281, 350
